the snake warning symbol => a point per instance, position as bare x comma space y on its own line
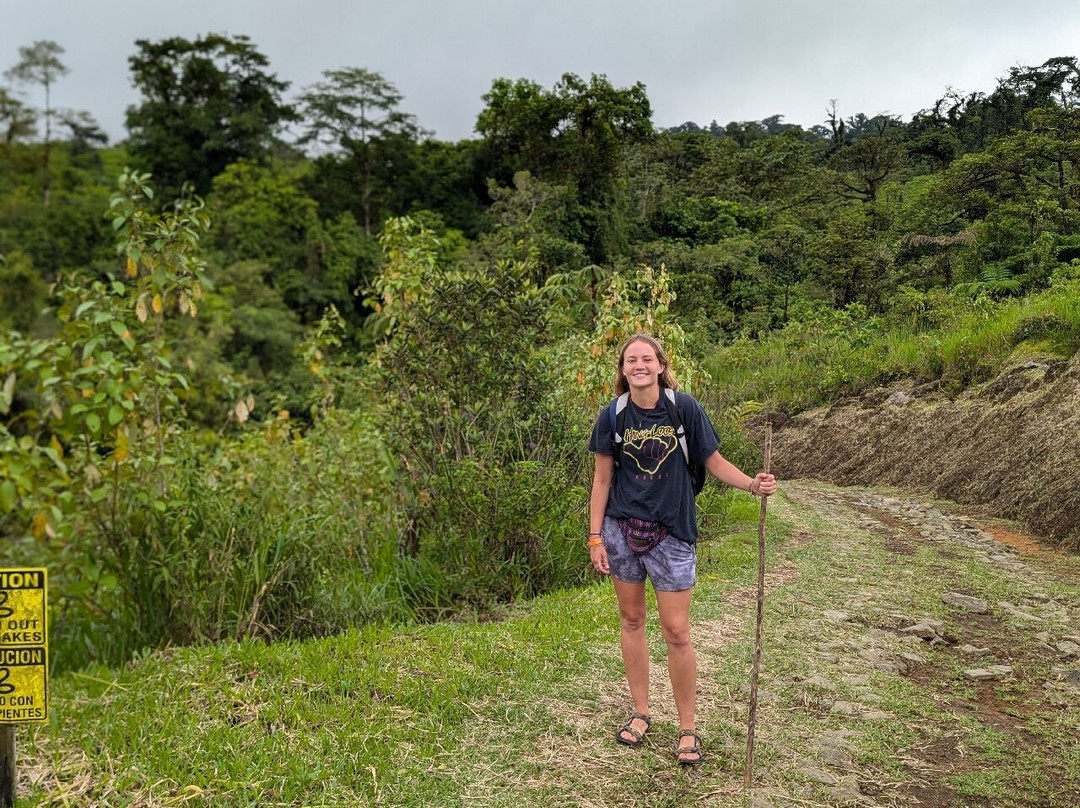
24, 646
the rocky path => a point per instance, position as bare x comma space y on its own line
918, 659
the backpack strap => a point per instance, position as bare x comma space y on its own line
615, 409
673, 413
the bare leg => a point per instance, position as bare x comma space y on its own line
674, 608
635, 648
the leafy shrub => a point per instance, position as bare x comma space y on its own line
484, 449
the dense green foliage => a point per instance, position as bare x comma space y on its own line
278, 388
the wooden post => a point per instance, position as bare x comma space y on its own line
7, 766
748, 773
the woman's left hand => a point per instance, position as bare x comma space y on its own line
764, 484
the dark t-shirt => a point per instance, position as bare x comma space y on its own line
652, 480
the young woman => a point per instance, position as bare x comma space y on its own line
643, 524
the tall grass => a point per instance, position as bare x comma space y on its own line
283, 533
954, 341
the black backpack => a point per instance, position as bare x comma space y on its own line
617, 419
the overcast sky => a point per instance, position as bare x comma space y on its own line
700, 60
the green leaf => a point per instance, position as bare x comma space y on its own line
94, 422
116, 415
9, 391
9, 495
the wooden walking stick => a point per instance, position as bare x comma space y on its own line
748, 774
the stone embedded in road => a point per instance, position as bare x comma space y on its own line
832, 756
817, 775
971, 650
972, 604
926, 629
1005, 606
1016, 611
843, 707
876, 715
1069, 649
989, 672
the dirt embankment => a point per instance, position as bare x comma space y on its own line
1010, 448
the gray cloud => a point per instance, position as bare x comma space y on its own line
700, 60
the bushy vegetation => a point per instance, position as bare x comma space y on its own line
950, 341
269, 388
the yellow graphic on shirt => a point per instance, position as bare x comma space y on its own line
651, 446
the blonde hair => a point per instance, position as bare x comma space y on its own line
666, 378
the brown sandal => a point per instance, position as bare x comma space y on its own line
628, 728
695, 749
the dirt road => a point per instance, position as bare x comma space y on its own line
915, 656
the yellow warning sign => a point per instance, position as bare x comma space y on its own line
24, 646
23, 685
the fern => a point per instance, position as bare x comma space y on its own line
995, 280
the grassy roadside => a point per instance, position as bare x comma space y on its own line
372, 717
521, 710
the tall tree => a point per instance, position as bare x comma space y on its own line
355, 111
40, 64
578, 132
16, 119
205, 104
867, 164
85, 131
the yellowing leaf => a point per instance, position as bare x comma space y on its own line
250, 401
126, 334
140, 310
157, 304
87, 393
55, 444
241, 411
194, 312
183, 303
38, 525
132, 269
120, 453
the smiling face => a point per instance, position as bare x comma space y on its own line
641, 366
